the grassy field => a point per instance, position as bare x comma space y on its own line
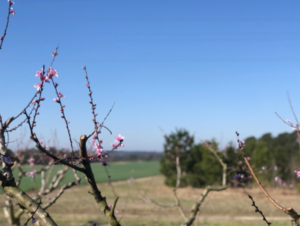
231, 207
117, 171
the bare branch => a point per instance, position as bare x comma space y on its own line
100, 200
289, 210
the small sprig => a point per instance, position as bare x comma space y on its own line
50, 74
10, 11
93, 109
258, 211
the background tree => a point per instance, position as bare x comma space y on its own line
198, 164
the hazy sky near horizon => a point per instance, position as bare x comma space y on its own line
211, 67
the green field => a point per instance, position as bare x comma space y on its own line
117, 171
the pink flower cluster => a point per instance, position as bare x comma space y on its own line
31, 173
43, 78
12, 11
98, 146
31, 161
118, 139
280, 181
99, 149
298, 173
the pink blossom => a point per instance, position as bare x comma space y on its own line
42, 98
97, 146
114, 145
47, 147
293, 128
31, 161
12, 11
287, 121
298, 174
60, 94
54, 54
122, 145
52, 73
31, 173
119, 138
56, 100
34, 101
95, 136
39, 73
68, 122
65, 155
242, 143
44, 79
38, 86
98, 152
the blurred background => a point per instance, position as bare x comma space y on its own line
199, 70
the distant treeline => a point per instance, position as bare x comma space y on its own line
41, 159
134, 156
274, 160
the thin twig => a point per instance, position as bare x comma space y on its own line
289, 210
7, 22
258, 211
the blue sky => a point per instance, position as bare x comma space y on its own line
211, 67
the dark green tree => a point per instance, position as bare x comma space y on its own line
198, 165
